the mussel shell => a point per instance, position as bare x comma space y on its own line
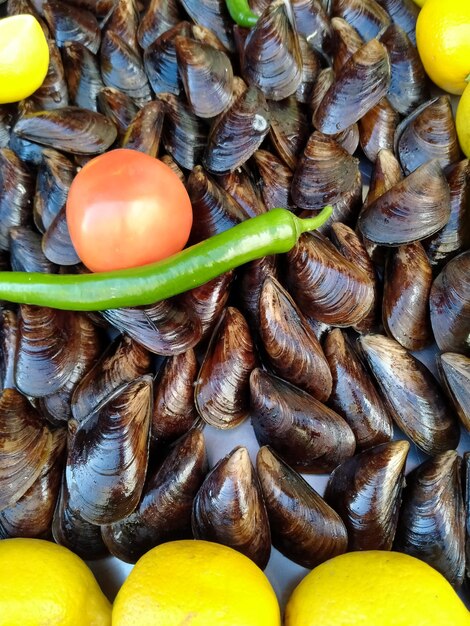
144, 132
455, 374
26, 253
354, 396
69, 23
377, 129
56, 242
123, 20
306, 433
312, 21
385, 174
108, 453
242, 187
118, 107
16, 189
289, 129
212, 14
412, 209
366, 492
54, 177
83, 75
449, 303
412, 395
275, 180
346, 40
404, 13
366, 16
303, 527
53, 92
249, 285
5, 126
71, 129
311, 66
229, 508
8, 347
431, 525
159, 17
222, 387
164, 513
291, 348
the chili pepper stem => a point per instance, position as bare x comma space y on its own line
311, 223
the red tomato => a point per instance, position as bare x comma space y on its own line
126, 209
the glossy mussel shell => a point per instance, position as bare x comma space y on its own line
366, 492
16, 190
306, 433
455, 373
303, 527
229, 508
366, 16
431, 525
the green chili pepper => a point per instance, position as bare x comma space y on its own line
270, 233
241, 13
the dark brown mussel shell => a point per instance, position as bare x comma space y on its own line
303, 527
122, 67
108, 453
325, 285
56, 243
404, 14
405, 309
212, 14
312, 21
123, 20
449, 302
31, 515
455, 236
83, 75
48, 342
366, 16
431, 526
455, 373
118, 107
122, 362
159, 17
25, 445
289, 129
74, 130
8, 346
69, 529
144, 132
377, 129
172, 164
366, 492
229, 508
466, 495
354, 394
272, 60
222, 387
249, 285
54, 177
360, 84
174, 412
238, 132
275, 180
412, 209
53, 93
16, 189
164, 512
207, 76
428, 133
290, 346
69, 23
408, 84
346, 40
26, 253
311, 66
307, 434
240, 184
412, 395
385, 174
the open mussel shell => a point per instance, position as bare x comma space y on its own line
174, 412
70, 23
354, 394
159, 17
144, 132
405, 305
16, 190
272, 60
428, 133
360, 84
8, 346
303, 527
366, 492
377, 129
431, 526
366, 16
408, 85
164, 512
413, 209
229, 508
291, 347
412, 395
123, 361
108, 453
455, 236
25, 445
449, 303
213, 15
54, 177
275, 180
207, 76
237, 133
31, 515
26, 253
325, 285
69, 529
404, 14
307, 434
118, 107
74, 130
455, 373
289, 129
221, 391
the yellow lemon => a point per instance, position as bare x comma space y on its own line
24, 57
43, 584
375, 588
443, 40
195, 583
462, 121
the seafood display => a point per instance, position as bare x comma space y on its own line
318, 347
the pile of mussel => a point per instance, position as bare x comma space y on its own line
102, 416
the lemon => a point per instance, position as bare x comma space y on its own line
462, 121
375, 588
443, 40
195, 583
24, 57
43, 584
